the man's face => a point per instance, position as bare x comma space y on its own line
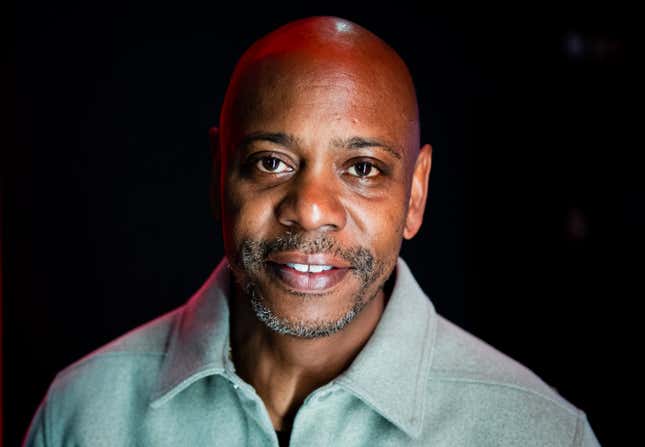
317, 167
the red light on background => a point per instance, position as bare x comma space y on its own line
1, 317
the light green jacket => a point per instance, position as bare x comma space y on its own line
420, 380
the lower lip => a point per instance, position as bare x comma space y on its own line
306, 281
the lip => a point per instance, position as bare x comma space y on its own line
294, 257
307, 281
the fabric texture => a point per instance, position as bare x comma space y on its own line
420, 380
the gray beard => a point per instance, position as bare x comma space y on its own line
252, 259
305, 329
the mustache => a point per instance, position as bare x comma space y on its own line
253, 253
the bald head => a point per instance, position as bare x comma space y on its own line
328, 61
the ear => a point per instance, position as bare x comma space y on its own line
418, 192
214, 190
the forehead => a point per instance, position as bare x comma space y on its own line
309, 92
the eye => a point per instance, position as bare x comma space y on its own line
272, 165
363, 169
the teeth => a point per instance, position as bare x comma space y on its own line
309, 268
299, 267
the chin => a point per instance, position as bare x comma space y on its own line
307, 315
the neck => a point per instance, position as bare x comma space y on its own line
285, 369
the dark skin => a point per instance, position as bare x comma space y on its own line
318, 136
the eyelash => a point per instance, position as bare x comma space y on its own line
260, 162
371, 166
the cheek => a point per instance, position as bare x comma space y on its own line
380, 223
248, 216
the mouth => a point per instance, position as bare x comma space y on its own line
308, 273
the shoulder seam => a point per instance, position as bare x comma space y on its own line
572, 410
93, 357
579, 430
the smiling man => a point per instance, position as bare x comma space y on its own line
312, 330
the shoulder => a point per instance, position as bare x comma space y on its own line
132, 361
494, 395
460, 356
103, 394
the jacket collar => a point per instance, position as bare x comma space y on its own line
198, 345
390, 374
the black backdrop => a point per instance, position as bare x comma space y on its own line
535, 194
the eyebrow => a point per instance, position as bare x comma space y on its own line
360, 142
280, 138
291, 141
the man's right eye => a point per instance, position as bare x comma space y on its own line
272, 165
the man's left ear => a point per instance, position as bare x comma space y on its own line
214, 190
418, 192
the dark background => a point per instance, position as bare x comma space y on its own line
535, 209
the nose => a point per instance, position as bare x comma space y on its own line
312, 203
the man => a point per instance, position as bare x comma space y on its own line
311, 331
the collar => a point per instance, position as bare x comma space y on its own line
390, 374
199, 343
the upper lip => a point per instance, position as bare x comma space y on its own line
294, 257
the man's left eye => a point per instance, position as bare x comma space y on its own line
363, 169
